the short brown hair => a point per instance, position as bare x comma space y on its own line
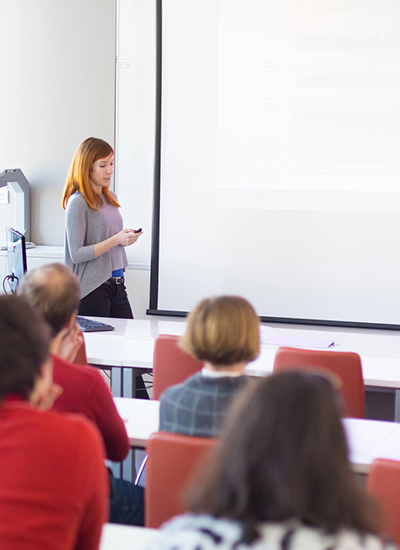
223, 331
24, 344
78, 178
54, 290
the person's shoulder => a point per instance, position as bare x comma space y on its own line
76, 202
191, 531
86, 373
234, 381
193, 381
224, 383
73, 430
65, 421
313, 538
351, 539
76, 197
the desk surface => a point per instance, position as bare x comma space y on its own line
131, 345
367, 439
125, 537
141, 417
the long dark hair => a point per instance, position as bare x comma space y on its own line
283, 456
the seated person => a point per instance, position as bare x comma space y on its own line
224, 333
54, 290
53, 484
280, 478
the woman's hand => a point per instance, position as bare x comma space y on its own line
127, 237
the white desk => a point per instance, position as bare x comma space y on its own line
141, 417
131, 346
125, 537
367, 439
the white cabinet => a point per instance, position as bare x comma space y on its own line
136, 278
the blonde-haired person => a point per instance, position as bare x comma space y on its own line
224, 333
95, 240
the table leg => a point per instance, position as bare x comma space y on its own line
117, 382
397, 406
129, 382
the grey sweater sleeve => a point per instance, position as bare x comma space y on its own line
76, 226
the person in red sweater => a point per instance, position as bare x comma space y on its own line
53, 485
54, 290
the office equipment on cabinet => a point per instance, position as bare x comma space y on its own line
14, 203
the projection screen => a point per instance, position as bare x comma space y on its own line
278, 173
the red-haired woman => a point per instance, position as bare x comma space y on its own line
95, 240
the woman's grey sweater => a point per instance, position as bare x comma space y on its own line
85, 227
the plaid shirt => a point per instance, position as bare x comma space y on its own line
197, 406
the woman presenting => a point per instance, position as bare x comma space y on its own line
95, 240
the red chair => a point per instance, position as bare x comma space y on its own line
383, 483
171, 365
172, 458
346, 365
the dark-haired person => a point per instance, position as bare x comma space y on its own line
95, 239
54, 290
224, 333
280, 479
53, 484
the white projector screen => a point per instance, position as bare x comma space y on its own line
279, 165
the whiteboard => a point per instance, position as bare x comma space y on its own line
279, 158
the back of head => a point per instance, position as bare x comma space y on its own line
284, 456
78, 178
24, 344
223, 331
54, 290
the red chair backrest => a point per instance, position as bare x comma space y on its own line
383, 483
172, 459
171, 365
346, 365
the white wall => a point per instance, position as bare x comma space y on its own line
135, 137
57, 64
60, 64
135, 119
